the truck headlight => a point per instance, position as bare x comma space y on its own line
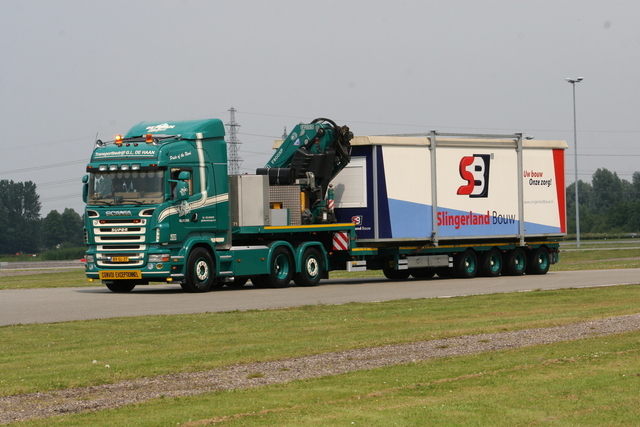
159, 258
89, 259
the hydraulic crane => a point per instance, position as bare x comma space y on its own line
311, 156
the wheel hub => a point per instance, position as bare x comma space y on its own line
202, 270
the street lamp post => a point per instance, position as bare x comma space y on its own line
575, 146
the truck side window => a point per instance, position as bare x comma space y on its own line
174, 176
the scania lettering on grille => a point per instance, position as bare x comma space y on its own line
117, 213
119, 230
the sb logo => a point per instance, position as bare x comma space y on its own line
475, 170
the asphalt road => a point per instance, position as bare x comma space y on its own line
65, 304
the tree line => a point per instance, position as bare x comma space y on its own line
22, 230
608, 204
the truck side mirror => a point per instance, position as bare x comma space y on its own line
85, 188
182, 190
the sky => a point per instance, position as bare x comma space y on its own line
74, 70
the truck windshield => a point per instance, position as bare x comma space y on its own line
126, 188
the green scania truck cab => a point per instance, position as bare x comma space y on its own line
158, 209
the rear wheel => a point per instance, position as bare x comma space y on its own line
465, 264
200, 275
120, 286
491, 263
539, 261
282, 268
312, 268
516, 262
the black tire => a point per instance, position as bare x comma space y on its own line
120, 286
392, 274
465, 264
201, 274
281, 269
422, 273
539, 261
491, 263
516, 262
237, 282
312, 268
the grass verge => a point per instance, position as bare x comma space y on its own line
43, 357
597, 259
66, 279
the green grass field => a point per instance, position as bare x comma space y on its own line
55, 356
592, 382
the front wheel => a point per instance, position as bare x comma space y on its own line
281, 269
312, 268
120, 286
201, 275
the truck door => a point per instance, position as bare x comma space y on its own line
186, 220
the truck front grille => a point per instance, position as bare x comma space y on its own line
120, 241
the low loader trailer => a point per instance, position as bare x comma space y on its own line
161, 207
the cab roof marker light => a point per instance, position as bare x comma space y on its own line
118, 140
149, 138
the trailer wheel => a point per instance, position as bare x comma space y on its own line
392, 274
465, 264
120, 286
312, 268
201, 275
422, 273
516, 262
281, 269
491, 263
539, 261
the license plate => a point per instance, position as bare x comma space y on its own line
120, 275
120, 259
